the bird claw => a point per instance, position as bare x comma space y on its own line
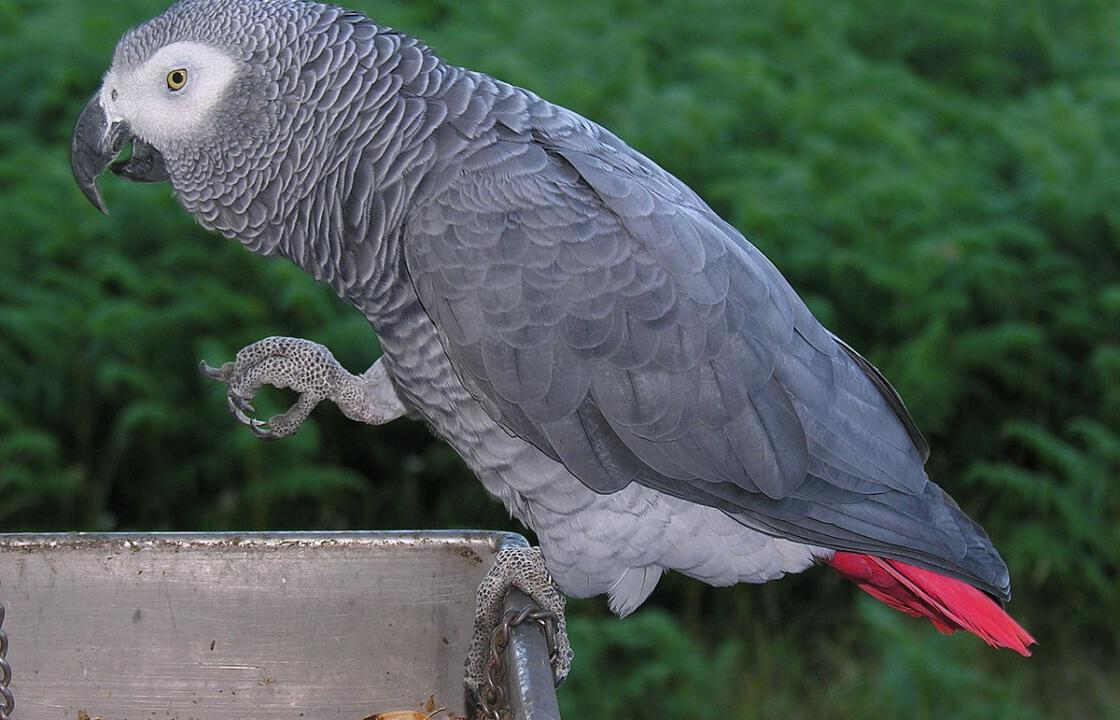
522, 568
240, 408
304, 366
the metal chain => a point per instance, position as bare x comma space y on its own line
7, 700
493, 694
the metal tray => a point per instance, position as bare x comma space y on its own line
253, 626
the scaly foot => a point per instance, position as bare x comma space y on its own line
311, 370
524, 569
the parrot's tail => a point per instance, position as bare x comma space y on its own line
951, 604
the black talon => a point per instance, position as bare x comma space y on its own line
238, 413
233, 375
245, 405
262, 431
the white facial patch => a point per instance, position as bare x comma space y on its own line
155, 111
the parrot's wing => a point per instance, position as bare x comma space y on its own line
603, 312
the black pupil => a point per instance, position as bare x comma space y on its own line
176, 78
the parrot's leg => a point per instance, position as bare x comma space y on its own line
309, 369
524, 569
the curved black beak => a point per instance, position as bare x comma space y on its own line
92, 146
96, 142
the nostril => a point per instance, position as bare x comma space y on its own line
113, 94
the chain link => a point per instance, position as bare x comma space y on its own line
493, 692
7, 700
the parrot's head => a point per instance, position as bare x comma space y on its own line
195, 93
210, 95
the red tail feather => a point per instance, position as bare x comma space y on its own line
951, 604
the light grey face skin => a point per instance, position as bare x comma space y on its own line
196, 91
166, 101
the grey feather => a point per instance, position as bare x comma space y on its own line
528, 270
709, 379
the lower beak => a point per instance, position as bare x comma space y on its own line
96, 142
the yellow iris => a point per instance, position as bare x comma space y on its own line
176, 79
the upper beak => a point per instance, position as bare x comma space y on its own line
95, 143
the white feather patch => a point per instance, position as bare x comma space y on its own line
632, 588
158, 114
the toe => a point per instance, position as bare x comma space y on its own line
237, 407
265, 431
221, 374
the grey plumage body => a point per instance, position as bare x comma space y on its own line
617, 364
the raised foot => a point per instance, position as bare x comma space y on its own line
523, 569
312, 371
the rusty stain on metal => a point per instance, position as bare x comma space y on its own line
470, 555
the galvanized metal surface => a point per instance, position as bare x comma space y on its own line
241, 627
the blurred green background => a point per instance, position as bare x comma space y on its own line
940, 180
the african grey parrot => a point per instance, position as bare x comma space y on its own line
634, 380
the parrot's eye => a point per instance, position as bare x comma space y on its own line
176, 79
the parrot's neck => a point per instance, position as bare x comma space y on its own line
333, 196
336, 197
348, 231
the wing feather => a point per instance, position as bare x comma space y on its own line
603, 312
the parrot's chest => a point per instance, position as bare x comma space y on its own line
536, 489
428, 384
593, 542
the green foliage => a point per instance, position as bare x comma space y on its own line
616, 655
1065, 529
900, 669
939, 180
